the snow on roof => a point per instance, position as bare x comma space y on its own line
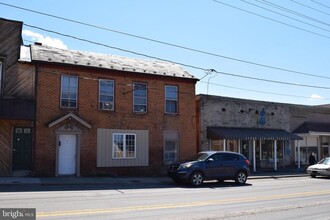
90, 59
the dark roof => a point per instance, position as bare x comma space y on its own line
215, 133
307, 127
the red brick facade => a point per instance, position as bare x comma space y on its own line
123, 117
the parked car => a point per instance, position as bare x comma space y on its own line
211, 165
322, 168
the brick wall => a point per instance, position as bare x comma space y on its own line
155, 120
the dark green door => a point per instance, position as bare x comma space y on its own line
22, 145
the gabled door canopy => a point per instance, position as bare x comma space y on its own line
70, 116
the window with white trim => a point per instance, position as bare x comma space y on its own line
69, 91
140, 97
106, 94
171, 99
123, 146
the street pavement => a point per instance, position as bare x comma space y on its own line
72, 180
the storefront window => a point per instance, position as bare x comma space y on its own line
267, 149
217, 145
307, 146
232, 145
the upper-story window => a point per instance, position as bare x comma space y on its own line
140, 97
69, 91
106, 94
171, 99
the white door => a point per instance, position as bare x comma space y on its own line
67, 155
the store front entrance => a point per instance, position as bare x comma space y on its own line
264, 148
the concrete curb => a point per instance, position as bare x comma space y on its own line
114, 180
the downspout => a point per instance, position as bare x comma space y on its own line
34, 150
254, 156
275, 155
298, 156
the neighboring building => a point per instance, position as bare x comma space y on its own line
17, 103
253, 128
313, 124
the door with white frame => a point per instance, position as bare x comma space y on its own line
67, 154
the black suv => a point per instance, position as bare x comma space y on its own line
211, 165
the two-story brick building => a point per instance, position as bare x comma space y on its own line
82, 113
109, 115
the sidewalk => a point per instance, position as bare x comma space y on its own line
129, 180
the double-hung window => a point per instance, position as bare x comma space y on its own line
123, 146
171, 99
106, 94
69, 91
140, 97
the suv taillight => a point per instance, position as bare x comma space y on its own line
247, 162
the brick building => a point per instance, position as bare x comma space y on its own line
80, 113
108, 115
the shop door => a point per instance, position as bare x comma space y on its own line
22, 148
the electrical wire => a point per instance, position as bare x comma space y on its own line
286, 16
258, 91
319, 3
307, 6
130, 84
182, 64
169, 44
271, 19
292, 12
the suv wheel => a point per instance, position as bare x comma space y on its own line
196, 179
241, 177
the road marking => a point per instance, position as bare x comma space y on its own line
179, 205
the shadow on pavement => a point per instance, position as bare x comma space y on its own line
113, 186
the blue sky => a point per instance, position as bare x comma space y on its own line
282, 34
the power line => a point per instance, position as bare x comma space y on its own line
307, 6
319, 3
271, 19
182, 64
111, 47
286, 16
169, 44
292, 12
259, 91
273, 81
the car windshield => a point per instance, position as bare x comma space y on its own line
199, 157
325, 161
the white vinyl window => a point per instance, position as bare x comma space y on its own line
69, 91
171, 99
140, 97
106, 94
123, 146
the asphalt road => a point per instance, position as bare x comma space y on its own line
285, 198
